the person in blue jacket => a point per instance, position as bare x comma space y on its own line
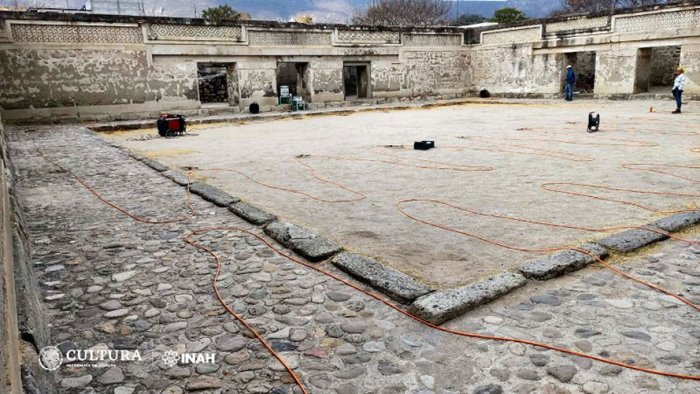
570, 81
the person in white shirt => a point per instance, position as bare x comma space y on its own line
678, 84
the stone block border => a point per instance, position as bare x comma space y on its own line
395, 284
561, 263
631, 240
444, 305
251, 213
213, 194
302, 241
439, 306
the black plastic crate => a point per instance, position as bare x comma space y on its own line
423, 145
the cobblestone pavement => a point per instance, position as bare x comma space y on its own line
110, 282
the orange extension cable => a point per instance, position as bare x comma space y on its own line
524, 150
312, 172
356, 287
437, 164
189, 241
556, 187
360, 196
115, 206
654, 169
402, 311
604, 142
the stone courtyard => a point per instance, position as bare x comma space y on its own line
293, 240
501, 167
108, 281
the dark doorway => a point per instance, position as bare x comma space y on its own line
664, 61
655, 69
295, 77
213, 82
584, 67
356, 81
643, 71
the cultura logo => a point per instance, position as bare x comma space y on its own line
170, 358
50, 358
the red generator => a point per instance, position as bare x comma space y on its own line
171, 125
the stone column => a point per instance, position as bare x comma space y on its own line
257, 79
615, 71
690, 61
326, 80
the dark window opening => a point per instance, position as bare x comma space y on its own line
218, 83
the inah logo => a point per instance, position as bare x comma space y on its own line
171, 358
50, 358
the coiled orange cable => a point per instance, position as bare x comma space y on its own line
556, 187
547, 250
368, 293
524, 150
654, 169
440, 166
360, 195
467, 334
603, 141
189, 241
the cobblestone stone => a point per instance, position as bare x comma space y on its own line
372, 348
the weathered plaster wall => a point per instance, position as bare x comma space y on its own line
258, 82
326, 79
516, 70
75, 77
108, 67
615, 71
690, 60
389, 77
431, 73
616, 39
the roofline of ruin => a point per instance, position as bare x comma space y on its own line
85, 16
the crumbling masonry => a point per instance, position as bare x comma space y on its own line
92, 67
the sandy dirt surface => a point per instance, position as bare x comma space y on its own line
527, 145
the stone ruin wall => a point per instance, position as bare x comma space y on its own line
664, 60
102, 71
110, 69
530, 60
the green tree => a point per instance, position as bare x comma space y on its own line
221, 13
586, 6
508, 15
468, 19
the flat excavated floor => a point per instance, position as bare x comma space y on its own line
528, 144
